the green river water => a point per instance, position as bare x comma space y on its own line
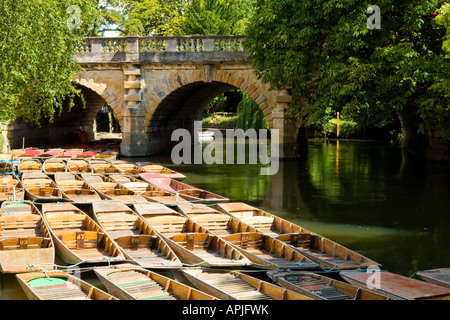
365, 195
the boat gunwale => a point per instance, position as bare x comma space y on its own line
45, 233
87, 288
258, 284
352, 263
111, 250
162, 280
144, 229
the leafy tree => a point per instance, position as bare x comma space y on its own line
216, 17
208, 17
244, 10
326, 53
250, 115
108, 13
37, 64
151, 17
443, 18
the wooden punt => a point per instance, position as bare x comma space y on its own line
214, 221
74, 151
329, 254
173, 224
59, 285
267, 252
103, 167
79, 166
7, 166
77, 237
137, 240
230, 285
24, 238
128, 282
29, 153
127, 168
190, 241
75, 188
49, 154
8, 163
40, 187
16, 152
396, 286
26, 165
108, 189
150, 209
320, 287
159, 169
10, 187
440, 276
54, 165
148, 191
69, 154
104, 156
184, 190
86, 155
206, 250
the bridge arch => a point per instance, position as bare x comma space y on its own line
175, 97
60, 131
108, 85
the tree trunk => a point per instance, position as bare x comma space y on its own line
302, 140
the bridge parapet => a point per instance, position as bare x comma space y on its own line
174, 49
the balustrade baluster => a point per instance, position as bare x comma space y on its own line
132, 46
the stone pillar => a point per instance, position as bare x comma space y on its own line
286, 125
134, 138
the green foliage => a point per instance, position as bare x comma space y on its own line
2, 141
216, 17
347, 129
250, 115
107, 13
208, 17
37, 42
443, 19
218, 121
324, 51
151, 17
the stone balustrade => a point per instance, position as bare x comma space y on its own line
161, 49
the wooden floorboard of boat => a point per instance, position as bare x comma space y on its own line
67, 292
436, 276
90, 254
211, 256
235, 287
140, 286
330, 259
319, 287
17, 233
147, 257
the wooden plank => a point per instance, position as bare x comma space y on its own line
399, 286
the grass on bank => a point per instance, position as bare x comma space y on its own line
218, 121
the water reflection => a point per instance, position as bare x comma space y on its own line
364, 195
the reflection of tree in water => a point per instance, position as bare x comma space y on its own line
369, 197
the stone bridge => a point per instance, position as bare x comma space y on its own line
155, 85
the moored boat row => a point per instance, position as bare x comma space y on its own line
140, 221
224, 284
